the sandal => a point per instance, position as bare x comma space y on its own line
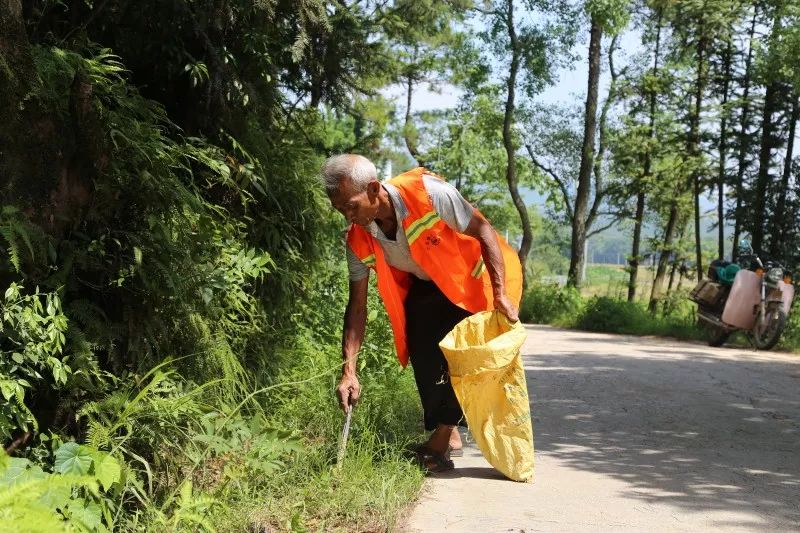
424, 449
433, 462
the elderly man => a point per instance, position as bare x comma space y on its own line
437, 261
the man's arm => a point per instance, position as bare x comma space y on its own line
355, 323
480, 229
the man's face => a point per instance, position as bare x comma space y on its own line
357, 207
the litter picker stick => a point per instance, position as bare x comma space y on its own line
343, 438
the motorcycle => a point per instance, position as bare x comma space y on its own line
756, 299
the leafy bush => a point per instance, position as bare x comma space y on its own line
33, 358
190, 329
550, 304
612, 316
76, 495
790, 340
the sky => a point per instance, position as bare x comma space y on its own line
571, 84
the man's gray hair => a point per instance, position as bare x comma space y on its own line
357, 168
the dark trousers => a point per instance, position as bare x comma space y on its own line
429, 317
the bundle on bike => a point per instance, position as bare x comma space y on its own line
750, 295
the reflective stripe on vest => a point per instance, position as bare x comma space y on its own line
416, 228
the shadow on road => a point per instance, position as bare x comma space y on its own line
682, 427
474, 472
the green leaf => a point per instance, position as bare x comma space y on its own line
372, 315
72, 458
14, 470
56, 496
89, 516
19, 471
106, 469
12, 291
186, 492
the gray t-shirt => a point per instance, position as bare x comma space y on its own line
451, 207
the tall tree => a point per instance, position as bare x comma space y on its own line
531, 52
780, 218
697, 25
552, 142
508, 141
722, 147
421, 37
578, 245
770, 139
743, 136
778, 70
608, 16
651, 88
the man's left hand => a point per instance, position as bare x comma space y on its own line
504, 305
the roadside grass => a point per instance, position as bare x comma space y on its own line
612, 281
611, 315
377, 479
368, 493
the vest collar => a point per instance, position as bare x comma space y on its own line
400, 211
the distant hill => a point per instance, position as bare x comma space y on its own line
613, 245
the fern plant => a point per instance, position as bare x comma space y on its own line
16, 231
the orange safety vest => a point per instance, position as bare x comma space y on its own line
452, 260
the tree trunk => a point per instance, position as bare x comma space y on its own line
672, 269
693, 147
54, 184
674, 264
663, 260
17, 78
587, 155
600, 191
508, 142
633, 262
723, 149
780, 220
14, 45
764, 163
409, 132
744, 145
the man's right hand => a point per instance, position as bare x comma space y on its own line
348, 391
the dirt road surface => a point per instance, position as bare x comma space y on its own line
638, 434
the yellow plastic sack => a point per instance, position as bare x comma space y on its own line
487, 375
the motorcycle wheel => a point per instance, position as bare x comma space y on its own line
715, 336
767, 332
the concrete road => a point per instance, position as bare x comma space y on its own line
638, 434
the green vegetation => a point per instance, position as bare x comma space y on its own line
172, 277
170, 317
602, 308
551, 304
612, 315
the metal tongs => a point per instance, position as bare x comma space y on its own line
343, 438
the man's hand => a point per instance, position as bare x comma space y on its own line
348, 391
504, 305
